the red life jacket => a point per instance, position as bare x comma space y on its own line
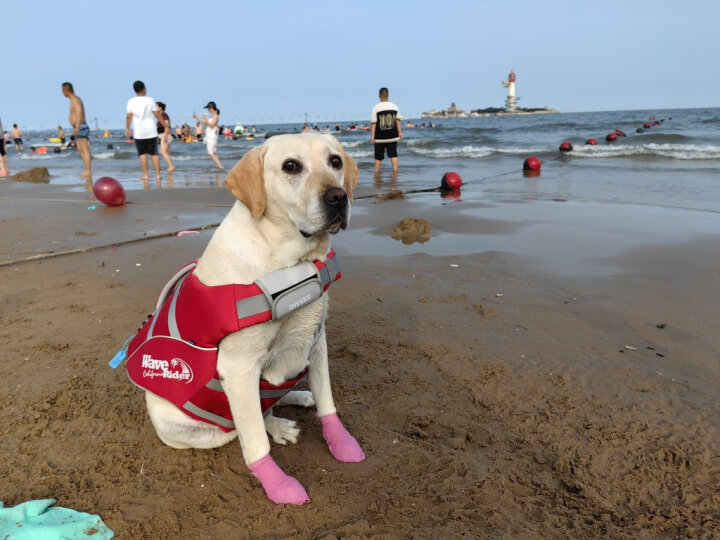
174, 354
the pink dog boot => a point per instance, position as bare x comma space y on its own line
342, 445
279, 487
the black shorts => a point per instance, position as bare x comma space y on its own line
2, 147
381, 147
146, 146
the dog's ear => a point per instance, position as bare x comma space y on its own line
351, 174
350, 170
245, 181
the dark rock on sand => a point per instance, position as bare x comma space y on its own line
38, 175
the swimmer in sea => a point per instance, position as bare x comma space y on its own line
81, 131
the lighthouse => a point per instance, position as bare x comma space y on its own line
511, 101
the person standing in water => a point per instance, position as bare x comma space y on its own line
211, 130
61, 135
144, 114
17, 139
165, 136
81, 131
385, 130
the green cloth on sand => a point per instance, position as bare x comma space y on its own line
35, 520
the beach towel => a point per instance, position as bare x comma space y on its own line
35, 520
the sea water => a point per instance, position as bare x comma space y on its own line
674, 164
653, 188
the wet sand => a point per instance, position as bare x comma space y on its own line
496, 392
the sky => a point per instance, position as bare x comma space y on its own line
276, 61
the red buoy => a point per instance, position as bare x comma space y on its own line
656, 123
451, 181
646, 125
591, 141
619, 133
611, 137
566, 146
109, 191
532, 164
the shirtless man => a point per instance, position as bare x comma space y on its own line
81, 131
17, 139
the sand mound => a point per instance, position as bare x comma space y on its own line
411, 230
37, 175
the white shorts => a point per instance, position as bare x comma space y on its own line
211, 145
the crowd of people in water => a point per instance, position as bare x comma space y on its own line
152, 128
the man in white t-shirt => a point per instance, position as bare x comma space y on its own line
144, 115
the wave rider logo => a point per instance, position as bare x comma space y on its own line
175, 369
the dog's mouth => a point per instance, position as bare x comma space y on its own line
331, 227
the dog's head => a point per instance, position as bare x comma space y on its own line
305, 179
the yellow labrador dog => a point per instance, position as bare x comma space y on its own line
292, 193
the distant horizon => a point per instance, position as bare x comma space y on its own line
331, 122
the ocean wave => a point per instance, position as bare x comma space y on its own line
419, 142
352, 144
674, 151
475, 152
104, 155
38, 157
360, 154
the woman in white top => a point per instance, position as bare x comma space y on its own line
211, 131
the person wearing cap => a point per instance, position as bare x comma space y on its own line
211, 131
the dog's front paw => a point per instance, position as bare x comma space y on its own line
282, 430
279, 487
342, 445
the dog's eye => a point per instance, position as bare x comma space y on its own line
291, 166
336, 162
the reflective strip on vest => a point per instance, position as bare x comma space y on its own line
171, 318
207, 415
254, 305
215, 384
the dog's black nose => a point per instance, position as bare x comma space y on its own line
336, 197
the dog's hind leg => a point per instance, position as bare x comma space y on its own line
301, 398
281, 430
178, 430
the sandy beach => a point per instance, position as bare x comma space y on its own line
496, 393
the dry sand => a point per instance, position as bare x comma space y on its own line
492, 397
